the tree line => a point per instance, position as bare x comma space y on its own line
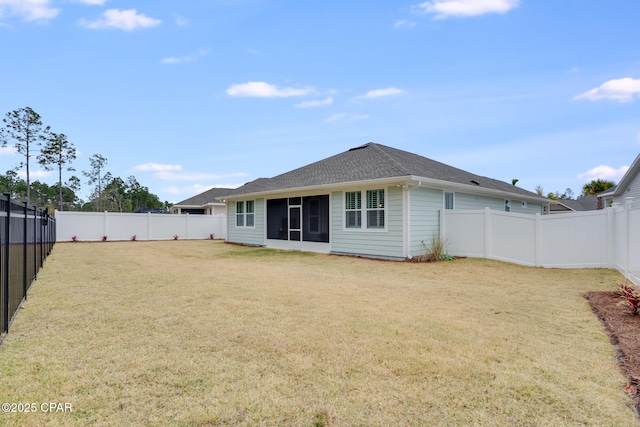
23, 130
592, 188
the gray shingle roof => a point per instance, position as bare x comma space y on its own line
206, 197
585, 203
373, 161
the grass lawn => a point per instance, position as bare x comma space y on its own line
201, 333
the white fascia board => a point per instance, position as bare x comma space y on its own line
448, 185
619, 189
325, 188
409, 180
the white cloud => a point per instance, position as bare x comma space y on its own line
167, 175
92, 2
196, 188
181, 21
462, 8
181, 59
127, 20
622, 90
8, 150
377, 93
266, 90
357, 117
335, 117
172, 173
315, 103
29, 10
604, 172
402, 23
156, 167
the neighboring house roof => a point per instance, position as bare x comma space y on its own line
585, 203
206, 198
626, 180
374, 162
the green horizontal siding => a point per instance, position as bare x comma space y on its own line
246, 235
425, 205
377, 243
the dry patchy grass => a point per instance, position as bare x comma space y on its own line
200, 333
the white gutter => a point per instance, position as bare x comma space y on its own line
406, 202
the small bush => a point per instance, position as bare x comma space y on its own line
104, 238
74, 238
212, 236
631, 298
436, 250
175, 237
134, 238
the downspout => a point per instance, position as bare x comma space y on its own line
407, 202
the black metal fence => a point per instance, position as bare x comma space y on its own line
27, 236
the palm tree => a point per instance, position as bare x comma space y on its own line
596, 187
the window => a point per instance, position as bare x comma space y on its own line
245, 214
448, 200
507, 206
353, 207
375, 209
250, 213
239, 214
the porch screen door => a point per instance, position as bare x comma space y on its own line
295, 223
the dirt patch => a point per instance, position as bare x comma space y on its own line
623, 329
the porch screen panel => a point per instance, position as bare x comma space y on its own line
277, 219
315, 219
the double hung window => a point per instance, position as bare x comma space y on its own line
373, 209
245, 214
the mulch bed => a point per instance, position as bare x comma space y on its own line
623, 329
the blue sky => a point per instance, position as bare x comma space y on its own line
200, 93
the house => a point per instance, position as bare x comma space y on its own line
627, 188
581, 204
371, 200
203, 204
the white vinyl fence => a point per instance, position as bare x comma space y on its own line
607, 238
93, 226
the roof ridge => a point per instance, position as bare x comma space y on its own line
379, 148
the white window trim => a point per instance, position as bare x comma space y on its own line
444, 200
363, 209
244, 214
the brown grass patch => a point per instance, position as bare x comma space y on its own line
199, 333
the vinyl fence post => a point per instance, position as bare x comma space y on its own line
5, 278
149, 226
611, 237
538, 242
186, 226
627, 248
24, 252
487, 233
105, 224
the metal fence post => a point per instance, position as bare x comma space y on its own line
25, 285
35, 243
7, 230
